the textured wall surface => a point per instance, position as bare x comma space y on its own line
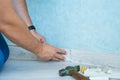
78, 24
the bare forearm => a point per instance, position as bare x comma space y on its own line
22, 11
15, 29
21, 36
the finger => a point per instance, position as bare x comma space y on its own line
61, 51
56, 59
60, 57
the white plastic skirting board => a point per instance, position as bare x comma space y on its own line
74, 56
93, 60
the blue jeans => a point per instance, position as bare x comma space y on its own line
4, 51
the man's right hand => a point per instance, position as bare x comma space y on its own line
49, 52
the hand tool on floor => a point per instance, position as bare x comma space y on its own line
72, 71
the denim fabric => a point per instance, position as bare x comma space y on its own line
4, 50
1, 59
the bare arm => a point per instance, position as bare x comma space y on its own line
15, 30
22, 11
20, 8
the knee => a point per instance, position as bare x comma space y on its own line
4, 48
1, 59
3, 56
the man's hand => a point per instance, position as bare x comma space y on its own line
49, 52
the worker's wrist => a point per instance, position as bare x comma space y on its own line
31, 27
39, 49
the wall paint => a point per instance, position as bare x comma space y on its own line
78, 24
